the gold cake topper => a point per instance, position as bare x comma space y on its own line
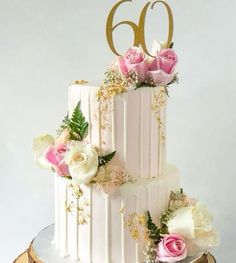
139, 29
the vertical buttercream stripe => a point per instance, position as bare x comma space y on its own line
113, 124
66, 219
59, 213
99, 125
160, 145
69, 100
137, 252
56, 227
90, 224
107, 216
162, 131
78, 228
141, 137
164, 139
138, 211
75, 232
159, 153
158, 202
125, 129
122, 232
60, 210
150, 139
73, 225
64, 224
89, 116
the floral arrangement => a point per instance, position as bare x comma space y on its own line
70, 156
184, 229
136, 69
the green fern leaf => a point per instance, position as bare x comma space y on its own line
154, 231
78, 125
64, 125
103, 160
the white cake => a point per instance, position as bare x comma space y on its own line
116, 198
130, 127
141, 149
104, 238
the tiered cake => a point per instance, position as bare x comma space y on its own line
116, 198
139, 140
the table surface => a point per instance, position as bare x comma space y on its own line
23, 258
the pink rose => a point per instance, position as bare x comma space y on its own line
162, 68
172, 248
134, 60
166, 60
55, 156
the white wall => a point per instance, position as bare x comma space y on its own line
46, 44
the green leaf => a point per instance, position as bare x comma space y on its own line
167, 91
103, 160
171, 45
78, 125
175, 80
165, 217
154, 231
65, 124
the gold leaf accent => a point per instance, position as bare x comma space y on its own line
80, 211
122, 210
79, 82
67, 207
159, 102
136, 224
113, 84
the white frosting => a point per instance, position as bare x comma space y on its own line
133, 129
104, 238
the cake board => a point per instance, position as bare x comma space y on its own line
22, 258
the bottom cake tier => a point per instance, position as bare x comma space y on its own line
43, 251
92, 227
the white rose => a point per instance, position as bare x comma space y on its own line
40, 145
182, 222
203, 243
195, 224
82, 159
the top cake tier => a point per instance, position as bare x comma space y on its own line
132, 123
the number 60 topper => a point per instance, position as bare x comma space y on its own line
139, 29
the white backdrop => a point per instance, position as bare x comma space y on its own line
44, 45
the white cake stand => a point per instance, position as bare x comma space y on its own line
42, 250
